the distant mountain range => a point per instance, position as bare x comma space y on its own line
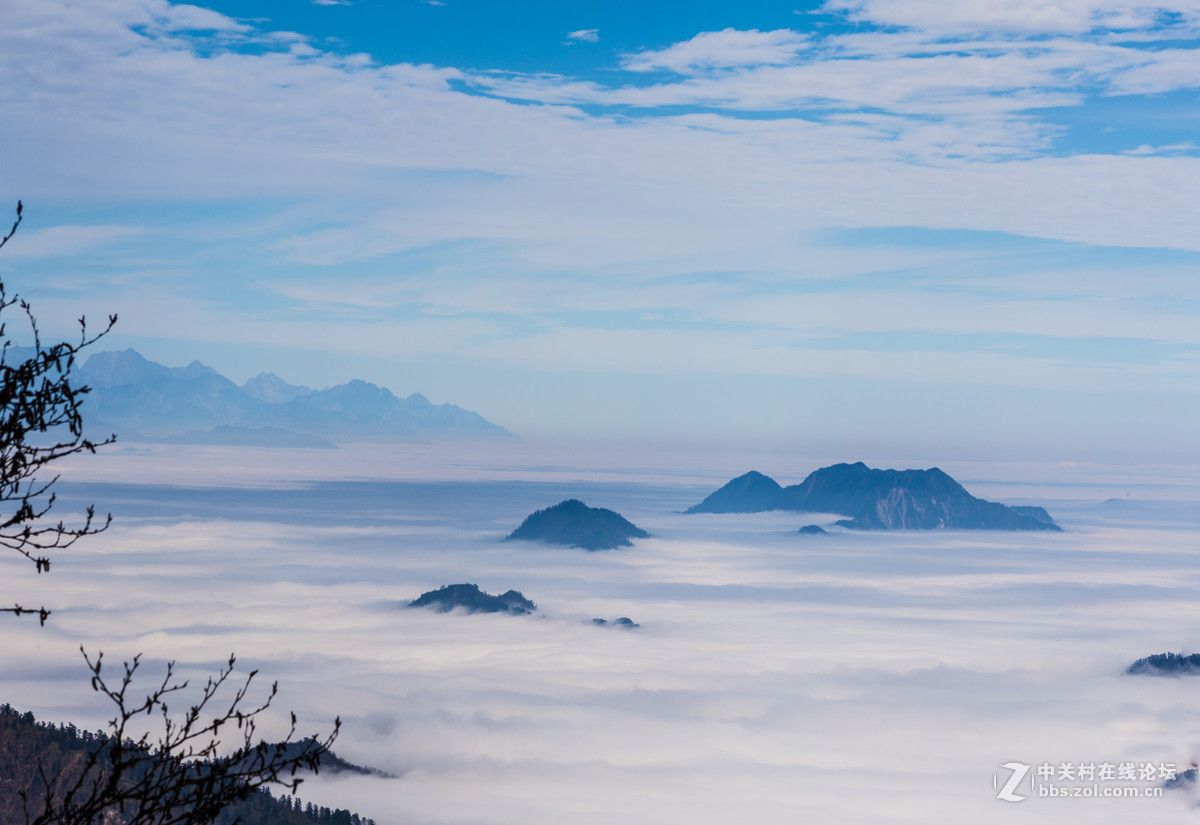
574, 524
139, 399
876, 500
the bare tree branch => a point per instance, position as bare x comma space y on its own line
182, 777
40, 423
16, 223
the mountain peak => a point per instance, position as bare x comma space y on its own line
355, 396
876, 500
573, 524
200, 368
359, 388
113, 368
752, 492
269, 387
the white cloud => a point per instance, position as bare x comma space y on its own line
889, 98
729, 48
182, 17
585, 36
1166, 70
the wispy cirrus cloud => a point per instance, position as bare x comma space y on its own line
584, 36
1173, 149
1022, 16
972, 86
968, 81
882, 71
68, 240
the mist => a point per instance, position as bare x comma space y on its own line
854, 677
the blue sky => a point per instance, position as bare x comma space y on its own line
868, 227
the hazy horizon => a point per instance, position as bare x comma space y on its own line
890, 440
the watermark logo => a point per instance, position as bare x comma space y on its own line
1018, 772
1018, 781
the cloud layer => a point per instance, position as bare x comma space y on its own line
843, 678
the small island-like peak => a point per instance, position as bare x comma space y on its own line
573, 524
1166, 664
473, 600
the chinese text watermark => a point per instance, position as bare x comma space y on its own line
1018, 781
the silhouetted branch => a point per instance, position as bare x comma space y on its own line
12, 231
40, 423
17, 610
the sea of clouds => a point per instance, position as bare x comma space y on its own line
776, 678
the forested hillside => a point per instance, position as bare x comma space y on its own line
30, 749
